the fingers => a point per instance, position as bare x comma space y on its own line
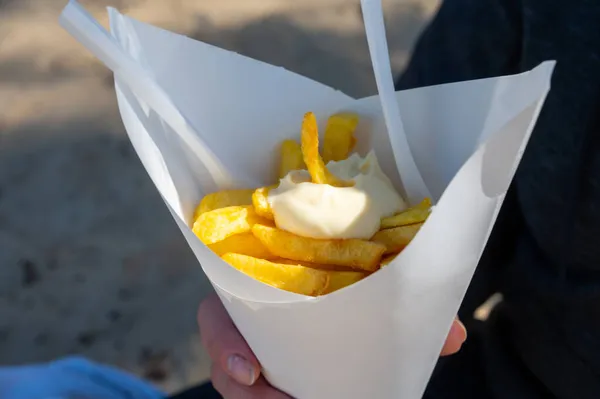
456, 337
231, 389
235, 371
225, 345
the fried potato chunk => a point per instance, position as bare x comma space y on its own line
339, 136
295, 278
214, 226
339, 277
339, 280
223, 199
291, 158
334, 268
397, 238
417, 214
310, 150
353, 253
244, 244
260, 200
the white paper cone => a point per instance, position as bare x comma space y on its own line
381, 337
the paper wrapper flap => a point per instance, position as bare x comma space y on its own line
177, 174
380, 337
252, 97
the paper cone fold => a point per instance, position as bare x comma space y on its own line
381, 337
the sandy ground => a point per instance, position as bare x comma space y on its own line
90, 260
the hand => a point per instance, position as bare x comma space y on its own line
73, 377
236, 371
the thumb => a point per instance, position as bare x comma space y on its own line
456, 337
225, 345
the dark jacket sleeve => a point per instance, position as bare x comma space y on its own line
467, 39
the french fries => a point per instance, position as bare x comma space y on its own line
214, 226
333, 268
244, 244
397, 238
239, 225
339, 280
310, 150
339, 137
356, 254
223, 199
339, 277
260, 201
416, 214
291, 158
294, 278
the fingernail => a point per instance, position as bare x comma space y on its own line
241, 370
459, 330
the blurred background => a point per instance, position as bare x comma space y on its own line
91, 261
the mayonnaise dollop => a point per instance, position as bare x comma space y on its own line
323, 211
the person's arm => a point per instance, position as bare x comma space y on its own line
467, 39
72, 377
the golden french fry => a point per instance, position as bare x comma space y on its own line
223, 199
260, 200
397, 238
291, 158
339, 280
356, 254
417, 214
352, 142
339, 277
298, 279
339, 136
334, 268
388, 259
214, 226
310, 150
244, 244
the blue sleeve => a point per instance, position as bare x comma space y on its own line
72, 377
